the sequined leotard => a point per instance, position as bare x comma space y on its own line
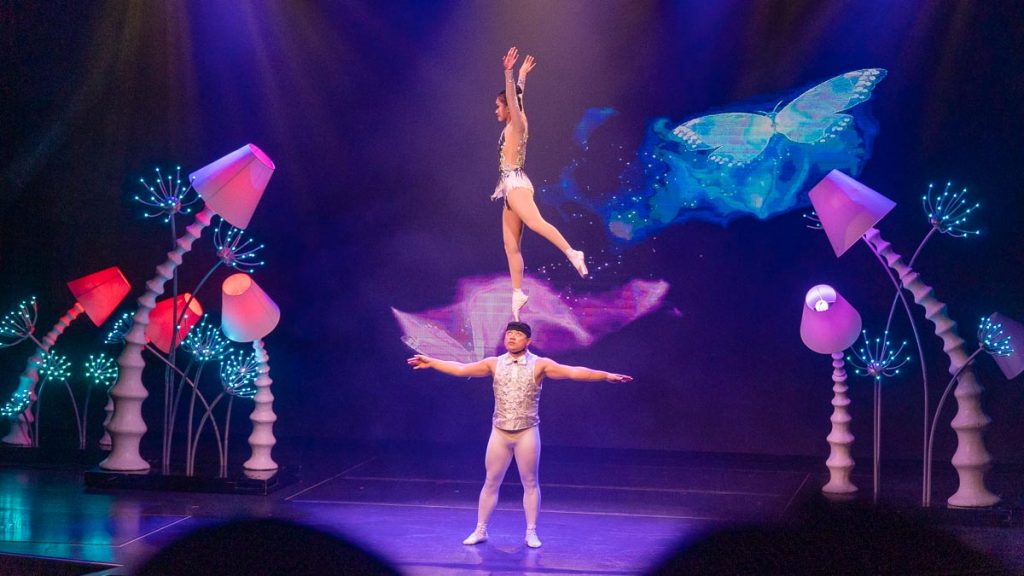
516, 393
511, 174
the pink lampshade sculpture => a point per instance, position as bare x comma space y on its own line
849, 210
830, 325
1011, 365
233, 185
160, 329
248, 315
230, 186
96, 294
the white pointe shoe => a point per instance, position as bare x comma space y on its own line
578, 262
519, 299
479, 535
531, 539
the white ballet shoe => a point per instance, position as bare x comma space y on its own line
479, 535
578, 262
519, 299
531, 538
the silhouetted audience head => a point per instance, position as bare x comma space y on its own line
262, 547
822, 538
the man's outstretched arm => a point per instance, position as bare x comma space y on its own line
472, 370
556, 371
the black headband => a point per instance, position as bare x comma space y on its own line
521, 327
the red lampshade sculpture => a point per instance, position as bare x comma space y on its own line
160, 331
96, 294
231, 187
248, 315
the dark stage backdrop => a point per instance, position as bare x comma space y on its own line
379, 116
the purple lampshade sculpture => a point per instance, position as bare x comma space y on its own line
1013, 364
849, 210
96, 294
830, 325
248, 314
231, 187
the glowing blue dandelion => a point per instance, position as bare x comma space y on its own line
948, 212
238, 374
205, 342
55, 367
813, 221
120, 329
18, 403
992, 338
168, 197
235, 250
19, 324
878, 359
101, 370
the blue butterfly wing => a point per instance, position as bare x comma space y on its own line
734, 138
814, 115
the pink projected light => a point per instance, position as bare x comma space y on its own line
472, 328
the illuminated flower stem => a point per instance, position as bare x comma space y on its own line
21, 425
199, 430
971, 459
901, 297
195, 388
127, 426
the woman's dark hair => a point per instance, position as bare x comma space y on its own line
519, 97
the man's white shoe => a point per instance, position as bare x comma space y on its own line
519, 299
479, 535
578, 261
531, 539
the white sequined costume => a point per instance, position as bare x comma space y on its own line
516, 393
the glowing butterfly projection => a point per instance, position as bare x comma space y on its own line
721, 166
737, 138
473, 327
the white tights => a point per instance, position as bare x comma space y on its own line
524, 446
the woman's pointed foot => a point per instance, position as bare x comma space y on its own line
578, 261
519, 299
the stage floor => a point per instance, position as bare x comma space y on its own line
604, 512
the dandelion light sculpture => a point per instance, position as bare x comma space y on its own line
878, 359
101, 371
829, 325
97, 295
848, 211
248, 315
231, 187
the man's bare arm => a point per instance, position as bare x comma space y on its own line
556, 371
479, 369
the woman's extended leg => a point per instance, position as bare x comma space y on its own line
520, 200
496, 462
527, 454
512, 235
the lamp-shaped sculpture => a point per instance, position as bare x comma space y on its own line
96, 294
160, 330
1013, 364
230, 186
849, 210
248, 314
830, 325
